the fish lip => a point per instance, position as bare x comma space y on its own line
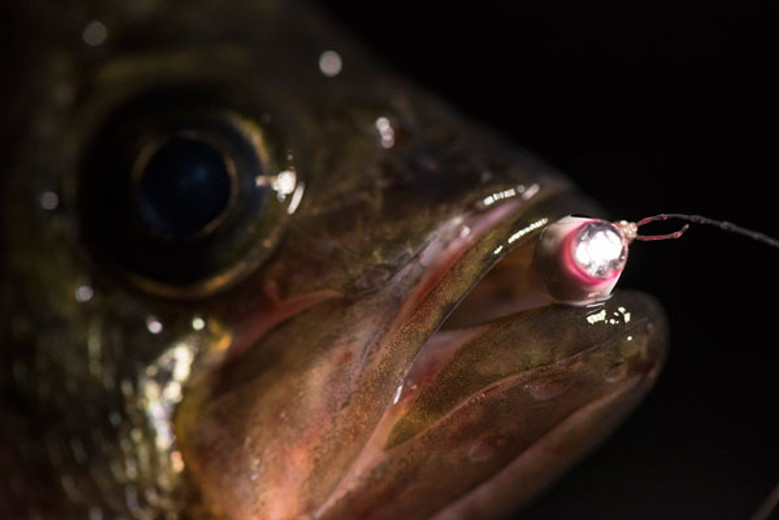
656, 358
433, 363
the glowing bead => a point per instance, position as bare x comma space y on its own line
581, 259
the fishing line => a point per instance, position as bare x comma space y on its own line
698, 219
769, 506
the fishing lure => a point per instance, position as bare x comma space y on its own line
581, 259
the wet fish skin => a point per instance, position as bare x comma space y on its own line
84, 425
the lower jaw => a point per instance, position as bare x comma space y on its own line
544, 432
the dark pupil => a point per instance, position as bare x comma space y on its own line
184, 187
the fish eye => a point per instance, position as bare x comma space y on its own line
183, 186
182, 195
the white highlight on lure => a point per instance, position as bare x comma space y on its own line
601, 252
330, 63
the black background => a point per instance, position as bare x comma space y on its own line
648, 112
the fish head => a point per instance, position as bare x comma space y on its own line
346, 322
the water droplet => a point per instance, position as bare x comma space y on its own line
386, 132
198, 323
330, 63
284, 183
297, 196
177, 461
95, 33
154, 325
49, 200
396, 397
84, 293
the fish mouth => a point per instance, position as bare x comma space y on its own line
458, 389
507, 392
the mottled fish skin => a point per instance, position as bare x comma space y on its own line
292, 381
